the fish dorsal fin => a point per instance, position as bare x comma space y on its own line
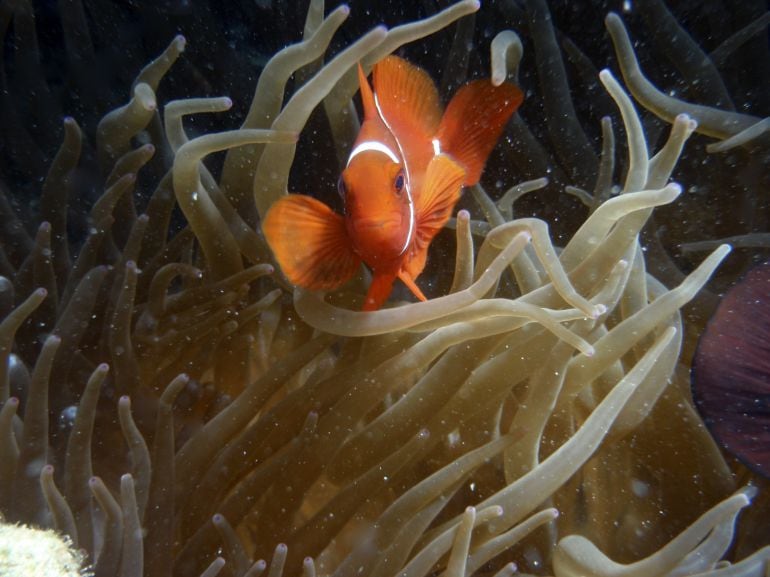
367, 96
440, 192
310, 243
474, 120
407, 98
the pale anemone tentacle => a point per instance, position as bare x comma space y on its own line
506, 52
524, 267
581, 372
546, 253
751, 240
222, 253
561, 464
741, 138
239, 168
494, 545
713, 548
115, 130
456, 540
599, 224
463, 276
153, 73
546, 386
505, 204
662, 164
638, 160
272, 175
419, 496
8, 328
711, 122
722, 52
319, 314
175, 110
576, 555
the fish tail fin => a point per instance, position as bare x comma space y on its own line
474, 120
407, 279
379, 291
310, 243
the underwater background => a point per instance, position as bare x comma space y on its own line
314, 410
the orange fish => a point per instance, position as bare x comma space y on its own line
402, 180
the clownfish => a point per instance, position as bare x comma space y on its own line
402, 180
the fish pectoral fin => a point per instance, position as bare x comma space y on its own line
440, 192
379, 291
474, 120
411, 285
310, 243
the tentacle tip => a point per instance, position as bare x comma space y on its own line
126, 478
750, 491
124, 400
611, 17
463, 215
53, 340
281, 548
180, 42
45, 226
103, 368
344, 9
598, 310
69, 121
675, 187
555, 513
47, 470
497, 79
605, 74
227, 102
475, 5
589, 352
217, 518
725, 248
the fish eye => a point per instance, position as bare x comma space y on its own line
341, 187
399, 183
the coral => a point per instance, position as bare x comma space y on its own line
27, 551
174, 406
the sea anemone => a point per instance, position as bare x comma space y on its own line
173, 406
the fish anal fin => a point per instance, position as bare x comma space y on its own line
407, 98
407, 279
440, 192
379, 291
310, 243
473, 122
